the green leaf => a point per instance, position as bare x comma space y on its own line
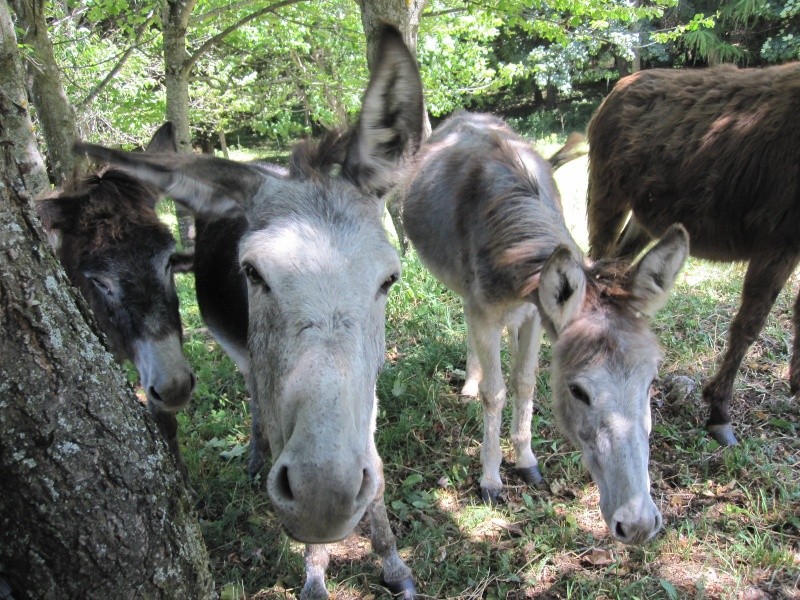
672, 591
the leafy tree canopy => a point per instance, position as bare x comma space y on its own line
278, 69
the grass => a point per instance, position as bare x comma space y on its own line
732, 516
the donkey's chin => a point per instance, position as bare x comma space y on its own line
319, 532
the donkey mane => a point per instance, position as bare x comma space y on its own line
519, 240
103, 207
316, 159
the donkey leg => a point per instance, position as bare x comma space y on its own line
606, 219
486, 336
396, 574
794, 361
632, 240
474, 370
317, 558
524, 362
763, 281
167, 424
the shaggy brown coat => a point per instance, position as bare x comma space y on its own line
716, 150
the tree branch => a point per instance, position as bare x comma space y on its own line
213, 40
120, 63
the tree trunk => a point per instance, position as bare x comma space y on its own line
14, 105
175, 19
403, 14
551, 96
92, 505
56, 116
622, 66
223, 143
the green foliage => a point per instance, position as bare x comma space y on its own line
572, 117
739, 31
301, 67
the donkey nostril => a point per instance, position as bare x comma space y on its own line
282, 485
154, 394
192, 382
619, 530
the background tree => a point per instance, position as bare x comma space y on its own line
745, 32
54, 111
20, 141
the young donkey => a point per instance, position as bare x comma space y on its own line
119, 254
483, 212
310, 274
716, 150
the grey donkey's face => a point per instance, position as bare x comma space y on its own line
604, 361
318, 266
317, 291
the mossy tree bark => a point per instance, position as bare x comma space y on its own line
92, 505
56, 115
14, 106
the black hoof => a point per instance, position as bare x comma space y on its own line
491, 497
402, 589
530, 475
723, 434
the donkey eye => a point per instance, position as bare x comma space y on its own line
390, 281
254, 277
101, 285
579, 393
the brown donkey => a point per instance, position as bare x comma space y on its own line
116, 250
483, 212
717, 150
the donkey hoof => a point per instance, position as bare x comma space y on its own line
490, 496
402, 589
723, 434
530, 475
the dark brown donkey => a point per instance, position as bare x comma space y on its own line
717, 150
121, 257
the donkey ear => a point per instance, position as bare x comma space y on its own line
655, 274
392, 112
562, 287
58, 215
211, 186
164, 140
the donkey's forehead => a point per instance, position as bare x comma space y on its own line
291, 245
129, 259
328, 199
626, 344
126, 244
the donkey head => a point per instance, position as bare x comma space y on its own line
604, 361
318, 266
115, 249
